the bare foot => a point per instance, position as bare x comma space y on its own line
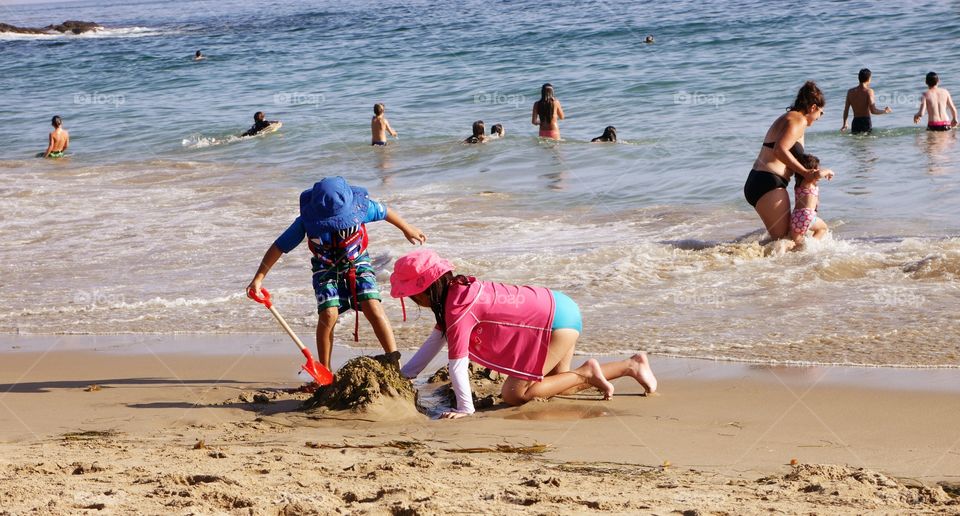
640, 371
595, 378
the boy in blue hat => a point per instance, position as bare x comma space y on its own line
333, 215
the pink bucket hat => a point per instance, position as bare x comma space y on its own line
415, 271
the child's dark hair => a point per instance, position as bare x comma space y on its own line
258, 116
378, 108
56, 121
545, 106
198, 54
437, 293
478, 129
497, 129
809, 161
933, 79
808, 96
609, 135
864, 75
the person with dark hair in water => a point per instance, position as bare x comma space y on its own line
379, 126
863, 102
936, 101
478, 135
497, 131
766, 186
260, 124
199, 56
546, 112
609, 135
58, 141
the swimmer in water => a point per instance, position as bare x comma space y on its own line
379, 126
199, 56
546, 112
497, 131
863, 102
936, 101
259, 124
648, 40
478, 135
609, 135
59, 139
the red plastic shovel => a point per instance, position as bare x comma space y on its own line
315, 369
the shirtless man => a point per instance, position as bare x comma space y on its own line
59, 139
936, 101
379, 126
863, 102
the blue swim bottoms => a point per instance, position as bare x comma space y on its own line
379, 144
566, 313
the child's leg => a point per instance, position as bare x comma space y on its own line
373, 310
325, 324
819, 228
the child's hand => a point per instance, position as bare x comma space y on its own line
453, 415
414, 235
825, 173
254, 288
916, 118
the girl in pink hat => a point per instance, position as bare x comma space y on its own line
527, 333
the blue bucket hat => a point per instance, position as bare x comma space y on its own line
333, 205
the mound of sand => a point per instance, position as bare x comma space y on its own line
367, 386
485, 385
857, 487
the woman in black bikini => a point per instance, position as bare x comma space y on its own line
766, 186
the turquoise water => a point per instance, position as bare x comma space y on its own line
160, 215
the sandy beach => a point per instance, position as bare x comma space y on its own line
182, 433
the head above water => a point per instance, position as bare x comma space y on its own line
609, 134
545, 106
378, 108
478, 129
648, 39
864, 75
497, 129
198, 54
809, 102
932, 79
258, 116
56, 121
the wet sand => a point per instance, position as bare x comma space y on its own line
716, 437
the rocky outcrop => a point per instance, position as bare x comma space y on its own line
69, 26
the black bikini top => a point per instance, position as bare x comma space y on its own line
796, 150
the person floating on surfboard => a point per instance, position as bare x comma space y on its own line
261, 124
59, 139
333, 217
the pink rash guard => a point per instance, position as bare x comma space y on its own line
503, 327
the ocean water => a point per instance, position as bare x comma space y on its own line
158, 218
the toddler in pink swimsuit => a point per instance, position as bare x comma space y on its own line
527, 333
806, 199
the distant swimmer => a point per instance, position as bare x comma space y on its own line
497, 131
936, 101
863, 102
648, 40
260, 124
59, 139
609, 135
379, 126
479, 133
547, 112
807, 199
199, 56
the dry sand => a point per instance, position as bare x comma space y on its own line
180, 433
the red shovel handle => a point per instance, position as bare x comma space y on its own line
265, 300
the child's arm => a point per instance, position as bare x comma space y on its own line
389, 129
460, 381
873, 106
535, 116
427, 352
559, 111
269, 258
953, 109
413, 234
66, 137
46, 153
923, 107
